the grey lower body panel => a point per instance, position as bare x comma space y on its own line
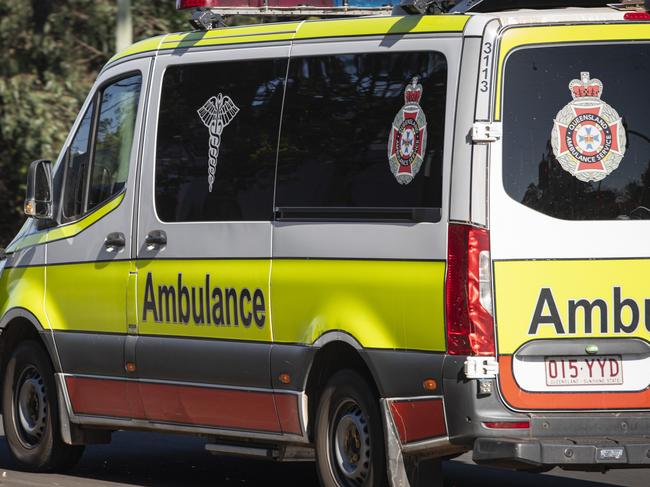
401, 373
577, 452
205, 361
90, 353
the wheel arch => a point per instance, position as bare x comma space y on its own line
335, 351
20, 324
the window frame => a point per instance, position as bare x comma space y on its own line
95, 103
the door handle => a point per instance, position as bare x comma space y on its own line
114, 241
156, 237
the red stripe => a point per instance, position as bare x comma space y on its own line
520, 399
287, 406
99, 397
223, 408
418, 419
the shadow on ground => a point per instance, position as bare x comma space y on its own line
164, 460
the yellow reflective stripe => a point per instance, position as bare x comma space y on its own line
551, 35
23, 287
411, 24
383, 304
146, 45
231, 35
72, 229
519, 289
28, 241
88, 296
69, 230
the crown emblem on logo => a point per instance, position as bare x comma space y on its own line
413, 91
585, 87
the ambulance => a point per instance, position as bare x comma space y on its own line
374, 241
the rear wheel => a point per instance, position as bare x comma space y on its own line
349, 434
31, 414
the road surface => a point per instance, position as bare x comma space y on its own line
147, 459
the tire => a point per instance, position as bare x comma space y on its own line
349, 434
31, 412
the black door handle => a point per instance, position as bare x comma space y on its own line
156, 237
114, 240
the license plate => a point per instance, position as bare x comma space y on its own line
582, 370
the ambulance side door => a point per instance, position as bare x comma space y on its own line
89, 250
204, 239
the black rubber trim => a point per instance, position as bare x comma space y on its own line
402, 374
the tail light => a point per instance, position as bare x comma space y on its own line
468, 292
509, 425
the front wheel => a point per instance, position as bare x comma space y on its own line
349, 434
30, 412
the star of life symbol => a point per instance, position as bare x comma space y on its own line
588, 137
216, 113
408, 136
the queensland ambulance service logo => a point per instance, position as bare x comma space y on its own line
408, 136
588, 138
216, 113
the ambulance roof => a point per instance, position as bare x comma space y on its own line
357, 26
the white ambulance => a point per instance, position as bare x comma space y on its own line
375, 242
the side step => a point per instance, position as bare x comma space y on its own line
267, 452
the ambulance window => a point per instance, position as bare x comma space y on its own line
217, 140
579, 153
336, 158
113, 140
77, 160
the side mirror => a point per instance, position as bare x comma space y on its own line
38, 202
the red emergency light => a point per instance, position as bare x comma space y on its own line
210, 13
183, 4
637, 16
254, 4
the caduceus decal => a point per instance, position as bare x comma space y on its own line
216, 113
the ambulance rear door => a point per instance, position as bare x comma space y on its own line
569, 217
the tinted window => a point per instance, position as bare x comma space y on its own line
536, 93
338, 118
77, 161
217, 140
115, 127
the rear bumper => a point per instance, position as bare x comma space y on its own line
578, 452
580, 439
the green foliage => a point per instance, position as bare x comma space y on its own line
51, 53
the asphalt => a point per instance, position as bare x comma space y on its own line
147, 459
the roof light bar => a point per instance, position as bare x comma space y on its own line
210, 13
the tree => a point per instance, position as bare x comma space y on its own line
52, 52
